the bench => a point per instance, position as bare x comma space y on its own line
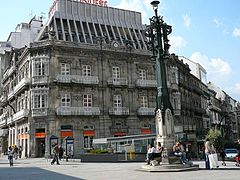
156, 158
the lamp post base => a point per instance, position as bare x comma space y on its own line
169, 168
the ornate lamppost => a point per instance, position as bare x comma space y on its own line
157, 34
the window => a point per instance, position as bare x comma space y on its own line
142, 74
40, 101
117, 101
86, 70
40, 67
65, 100
144, 101
88, 141
87, 100
116, 72
65, 69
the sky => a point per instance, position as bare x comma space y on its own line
207, 32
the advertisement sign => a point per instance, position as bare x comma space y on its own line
69, 147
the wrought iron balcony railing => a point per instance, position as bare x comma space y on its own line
145, 111
75, 111
118, 81
146, 83
77, 79
119, 111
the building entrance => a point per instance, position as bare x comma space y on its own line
40, 147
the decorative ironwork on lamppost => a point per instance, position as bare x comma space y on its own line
157, 35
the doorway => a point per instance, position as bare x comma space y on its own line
40, 149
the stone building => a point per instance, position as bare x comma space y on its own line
89, 75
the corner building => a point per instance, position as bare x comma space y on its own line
88, 75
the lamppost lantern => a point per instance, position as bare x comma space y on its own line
155, 5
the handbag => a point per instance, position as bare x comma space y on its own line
213, 160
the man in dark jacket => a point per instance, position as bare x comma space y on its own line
55, 155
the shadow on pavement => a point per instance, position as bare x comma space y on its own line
221, 169
11, 173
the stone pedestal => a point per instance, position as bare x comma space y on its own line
166, 136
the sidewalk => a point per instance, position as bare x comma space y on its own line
42, 161
40, 168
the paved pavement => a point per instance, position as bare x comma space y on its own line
40, 169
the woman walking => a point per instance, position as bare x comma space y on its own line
10, 156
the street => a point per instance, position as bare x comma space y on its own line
40, 168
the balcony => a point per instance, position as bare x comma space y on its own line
39, 112
11, 70
39, 79
3, 99
118, 81
24, 82
78, 111
3, 120
10, 94
5, 75
77, 79
119, 111
144, 111
213, 107
9, 120
146, 83
20, 114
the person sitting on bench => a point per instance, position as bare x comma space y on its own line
151, 150
178, 151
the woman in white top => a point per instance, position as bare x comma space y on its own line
151, 150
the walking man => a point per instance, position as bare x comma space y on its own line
10, 156
55, 155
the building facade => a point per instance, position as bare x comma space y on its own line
89, 75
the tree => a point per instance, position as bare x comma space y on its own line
215, 138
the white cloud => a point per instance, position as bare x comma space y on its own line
187, 21
177, 43
236, 88
135, 5
236, 32
218, 22
217, 69
142, 6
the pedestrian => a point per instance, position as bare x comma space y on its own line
10, 156
151, 150
179, 151
55, 154
207, 151
60, 152
15, 152
223, 155
20, 152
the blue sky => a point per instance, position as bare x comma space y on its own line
207, 32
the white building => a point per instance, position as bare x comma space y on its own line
196, 69
25, 33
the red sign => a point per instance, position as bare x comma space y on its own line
66, 134
95, 2
40, 135
89, 133
146, 131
